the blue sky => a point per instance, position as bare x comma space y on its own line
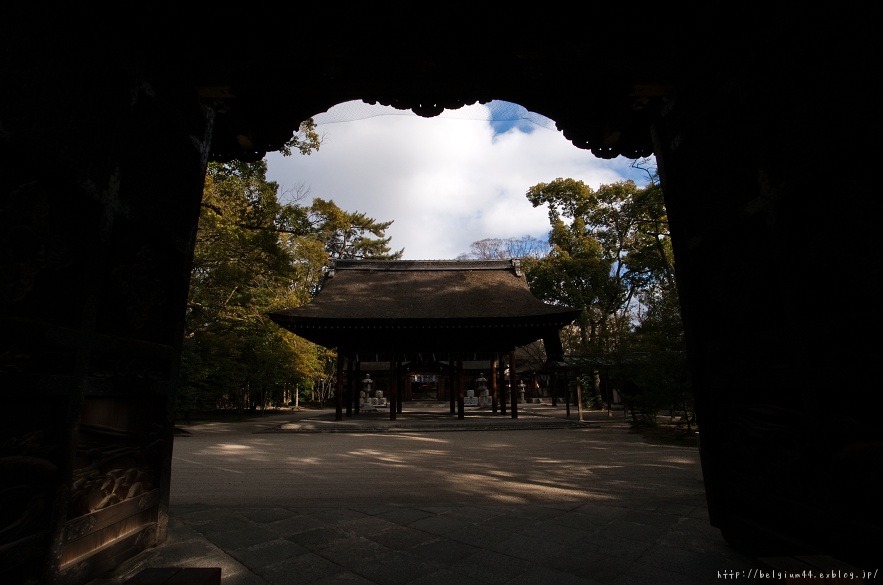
445, 181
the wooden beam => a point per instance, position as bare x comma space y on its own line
495, 385
503, 387
357, 386
513, 391
350, 386
338, 393
393, 383
402, 386
460, 405
452, 391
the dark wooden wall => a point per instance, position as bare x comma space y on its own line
99, 192
774, 231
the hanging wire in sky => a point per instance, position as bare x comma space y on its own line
494, 111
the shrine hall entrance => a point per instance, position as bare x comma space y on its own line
427, 387
427, 381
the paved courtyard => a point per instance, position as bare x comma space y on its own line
429, 499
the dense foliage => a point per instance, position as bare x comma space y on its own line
610, 256
254, 255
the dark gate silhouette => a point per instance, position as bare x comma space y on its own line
762, 125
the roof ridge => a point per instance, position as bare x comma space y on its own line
512, 263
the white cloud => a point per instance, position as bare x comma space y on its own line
445, 181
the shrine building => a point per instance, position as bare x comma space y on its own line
448, 316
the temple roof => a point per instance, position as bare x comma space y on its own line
426, 305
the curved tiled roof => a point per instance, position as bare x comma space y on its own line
474, 304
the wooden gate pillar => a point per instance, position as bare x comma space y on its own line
393, 386
513, 391
338, 392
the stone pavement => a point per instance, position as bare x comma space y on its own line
544, 499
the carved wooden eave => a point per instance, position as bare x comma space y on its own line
602, 83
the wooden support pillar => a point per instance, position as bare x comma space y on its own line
513, 390
495, 382
338, 392
579, 399
349, 386
452, 390
553, 387
393, 386
503, 387
401, 387
357, 386
460, 401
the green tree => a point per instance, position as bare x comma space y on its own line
350, 235
253, 255
611, 257
650, 257
306, 140
660, 379
339, 234
241, 269
587, 267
